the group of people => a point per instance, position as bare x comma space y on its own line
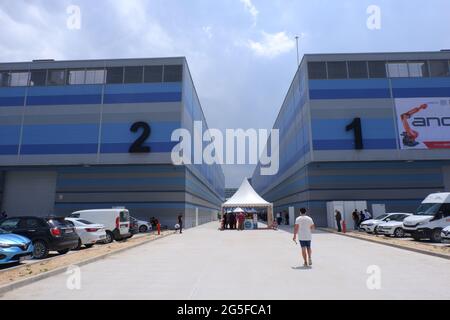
233, 221
282, 215
357, 217
178, 227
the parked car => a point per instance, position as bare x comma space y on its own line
116, 222
88, 232
430, 218
47, 234
134, 226
14, 247
393, 226
445, 234
143, 226
370, 226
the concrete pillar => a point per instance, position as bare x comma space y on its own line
270, 216
291, 216
196, 217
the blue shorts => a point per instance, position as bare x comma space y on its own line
305, 244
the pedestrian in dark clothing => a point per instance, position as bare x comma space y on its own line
355, 218
225, 220
287, 218
232, 221
362, 217
180, 222
338, 218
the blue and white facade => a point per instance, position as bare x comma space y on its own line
97, 134
321, 158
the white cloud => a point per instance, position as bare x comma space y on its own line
251, 9
272, 44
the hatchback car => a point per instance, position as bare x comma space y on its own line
14, 248
393, 226
445, 234
46, 234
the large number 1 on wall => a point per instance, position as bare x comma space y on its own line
357, 130
137, 146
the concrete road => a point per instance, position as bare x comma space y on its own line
204, 263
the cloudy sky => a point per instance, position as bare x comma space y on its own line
241, 52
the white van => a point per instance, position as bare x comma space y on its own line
430, 218
116, 222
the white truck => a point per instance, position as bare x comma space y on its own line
430, 218
116, 222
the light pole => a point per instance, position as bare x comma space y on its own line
298, 58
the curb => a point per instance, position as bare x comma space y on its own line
20, 283
434, 254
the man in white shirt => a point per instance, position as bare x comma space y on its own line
303, 226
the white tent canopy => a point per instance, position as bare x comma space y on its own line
246, 196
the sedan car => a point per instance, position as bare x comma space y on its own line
88, 232
141, 225
371, 226
393, 226
445, 234
14, 248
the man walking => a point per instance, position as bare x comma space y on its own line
303, 226
338, 218
180, 222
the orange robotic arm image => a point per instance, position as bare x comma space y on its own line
410, 135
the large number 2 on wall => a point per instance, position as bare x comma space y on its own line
357, 129
137, 146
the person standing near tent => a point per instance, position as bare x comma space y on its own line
303, 226
241, 220
279, 218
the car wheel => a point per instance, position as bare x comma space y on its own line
40, 250
109, 237
63, 251
399, 233
78, 247
90, 245
143, 229
436, 235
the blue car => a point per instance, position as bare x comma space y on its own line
14, 248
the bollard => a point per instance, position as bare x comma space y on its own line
344, 227
158, 227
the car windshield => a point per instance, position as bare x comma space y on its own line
84, 221
381, 217
59, 222
428, 209
124, 216
3, 231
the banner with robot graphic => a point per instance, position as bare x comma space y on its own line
423, 123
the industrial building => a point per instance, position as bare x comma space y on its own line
97, 134
370, 129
